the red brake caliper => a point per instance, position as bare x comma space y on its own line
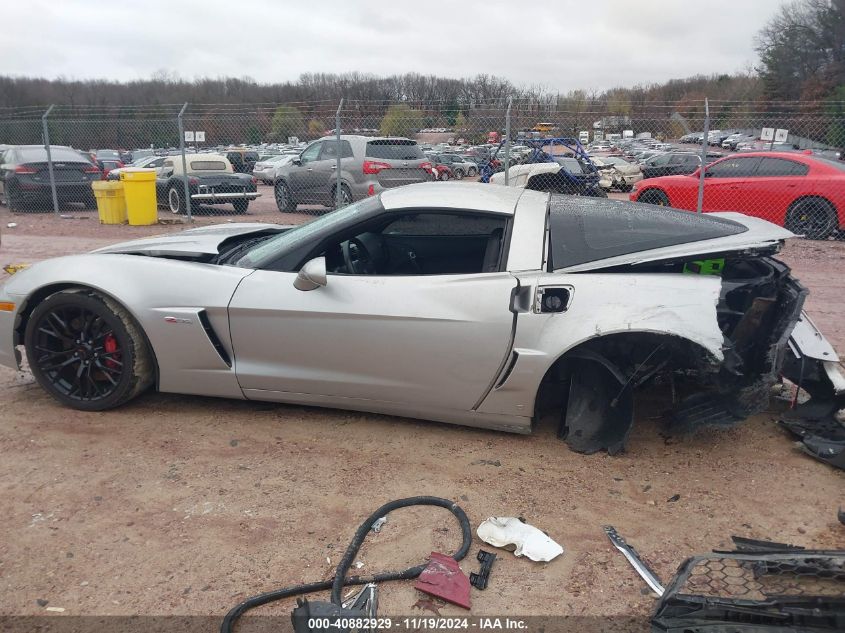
110, 347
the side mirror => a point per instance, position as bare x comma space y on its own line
296, 161
312, 275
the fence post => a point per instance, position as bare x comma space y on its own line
46, 132
337, 188
508, 140
187, 189
704, 144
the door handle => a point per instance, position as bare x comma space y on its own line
309, 169
334, 166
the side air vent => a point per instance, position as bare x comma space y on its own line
213, 338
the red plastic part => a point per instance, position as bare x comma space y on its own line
443, 578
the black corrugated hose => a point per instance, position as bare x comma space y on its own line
340, 580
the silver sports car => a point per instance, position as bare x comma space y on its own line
466, 303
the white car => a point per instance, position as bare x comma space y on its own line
617, 173
265, 170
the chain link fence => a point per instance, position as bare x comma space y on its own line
286, 162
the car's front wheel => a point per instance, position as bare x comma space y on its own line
444, 176
654, 196
87, 351
284, 197
459, 174
813, 218
240, 206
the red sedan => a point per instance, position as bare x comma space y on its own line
802, 192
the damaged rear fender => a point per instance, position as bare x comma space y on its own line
604, 307
591, 387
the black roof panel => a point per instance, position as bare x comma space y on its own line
590, 229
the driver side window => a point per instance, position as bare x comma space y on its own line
311, 152
423, 243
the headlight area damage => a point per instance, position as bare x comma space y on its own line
766, 337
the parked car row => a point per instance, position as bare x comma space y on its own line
457, 166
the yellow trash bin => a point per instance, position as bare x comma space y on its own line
140, 188
111, 204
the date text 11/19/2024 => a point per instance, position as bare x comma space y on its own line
418, 623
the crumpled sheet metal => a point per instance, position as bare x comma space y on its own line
529, 541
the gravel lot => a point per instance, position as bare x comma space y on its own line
185, 505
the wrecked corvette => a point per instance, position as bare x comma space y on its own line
466, 303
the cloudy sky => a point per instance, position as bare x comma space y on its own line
559, 44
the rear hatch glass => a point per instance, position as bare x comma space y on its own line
405, 158
394, 149
587, 230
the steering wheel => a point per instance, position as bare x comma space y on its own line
357, 257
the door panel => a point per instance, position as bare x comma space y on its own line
303, 178
420, 340
726, 185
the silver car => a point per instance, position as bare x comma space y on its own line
266, 168
466, 303
369, 165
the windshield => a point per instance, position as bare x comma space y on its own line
268, 250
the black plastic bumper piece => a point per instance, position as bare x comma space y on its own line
479, 580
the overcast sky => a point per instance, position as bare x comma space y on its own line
560, 44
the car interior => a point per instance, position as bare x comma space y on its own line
421, 244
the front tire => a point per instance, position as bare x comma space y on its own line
87, 351
654, 196
813, 218
240, 206
284, 197
459, 174
444, 176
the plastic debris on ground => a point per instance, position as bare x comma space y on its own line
529, 541
379, 524
443, 578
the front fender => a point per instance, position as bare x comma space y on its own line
150, 289
677, 305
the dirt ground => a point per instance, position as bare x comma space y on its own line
186, 505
